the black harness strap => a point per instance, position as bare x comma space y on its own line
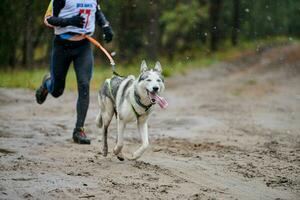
138, 101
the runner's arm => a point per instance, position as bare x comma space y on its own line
104, 24
52, 19
100, 18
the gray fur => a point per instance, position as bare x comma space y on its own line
162, 78
144, 76
104, 91
115, 82
129, 83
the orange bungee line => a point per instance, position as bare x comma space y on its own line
97, 44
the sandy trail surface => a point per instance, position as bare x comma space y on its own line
231, 131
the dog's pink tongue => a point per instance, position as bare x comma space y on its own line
161, 101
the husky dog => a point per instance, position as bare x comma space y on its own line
130, 100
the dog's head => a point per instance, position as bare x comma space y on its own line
151, 83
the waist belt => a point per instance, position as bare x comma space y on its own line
68, 43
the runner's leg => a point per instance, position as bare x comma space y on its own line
60, 62
83, 64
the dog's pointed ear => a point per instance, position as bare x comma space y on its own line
158, 67
144, 67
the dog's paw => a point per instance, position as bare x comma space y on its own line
116, 151
132, 157
121, 158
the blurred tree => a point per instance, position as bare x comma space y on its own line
131, 28
33, 29
10, 30
235, 22
214, 13
151, 28
22, 31
293, 16
181, 26
29, 14
153, 33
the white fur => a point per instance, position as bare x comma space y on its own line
144, 67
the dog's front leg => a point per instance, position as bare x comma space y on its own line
143, 130
120, 139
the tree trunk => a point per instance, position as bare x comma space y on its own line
235, 22
125, 29
28, 35
214, 12
12, 56
153, 32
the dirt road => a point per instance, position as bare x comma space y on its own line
231, 132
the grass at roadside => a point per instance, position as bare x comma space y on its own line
31, 79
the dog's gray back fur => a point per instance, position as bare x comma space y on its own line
115, 83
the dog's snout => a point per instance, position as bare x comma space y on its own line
155, 89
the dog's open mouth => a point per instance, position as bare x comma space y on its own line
157, 99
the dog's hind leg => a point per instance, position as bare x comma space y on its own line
99, 121
105, 130
105, 116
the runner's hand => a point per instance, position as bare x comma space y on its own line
77, 21
107, 33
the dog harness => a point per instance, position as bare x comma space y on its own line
136, 97
138, 101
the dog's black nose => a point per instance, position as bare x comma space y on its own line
155, 89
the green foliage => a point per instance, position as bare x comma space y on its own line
31, 79
267, 18
8, 40
181, 25
183, 28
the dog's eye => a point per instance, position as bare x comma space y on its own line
158, 80
149, 80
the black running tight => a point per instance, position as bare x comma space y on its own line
63, 53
